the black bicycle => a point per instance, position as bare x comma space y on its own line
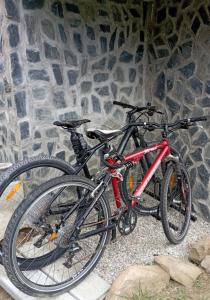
70, 219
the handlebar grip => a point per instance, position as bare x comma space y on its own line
204, 118
124, 105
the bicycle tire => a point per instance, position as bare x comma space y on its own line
26, 165
168, 226
9, 258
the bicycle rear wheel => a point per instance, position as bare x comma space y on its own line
70, 257
175, 204
150, 198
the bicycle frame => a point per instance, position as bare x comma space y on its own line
135, 157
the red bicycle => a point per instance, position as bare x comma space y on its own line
70, 219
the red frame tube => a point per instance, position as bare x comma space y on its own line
134, 157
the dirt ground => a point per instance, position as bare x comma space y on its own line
4, 295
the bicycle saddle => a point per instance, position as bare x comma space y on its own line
102, 135
70, 124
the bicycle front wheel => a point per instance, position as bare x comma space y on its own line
65, 256
175, 204
24, 176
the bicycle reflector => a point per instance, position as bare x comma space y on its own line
14, 190
131, 183
172, 181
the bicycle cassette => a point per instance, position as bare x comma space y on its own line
127, 221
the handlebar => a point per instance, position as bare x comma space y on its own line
185, 123
149, 107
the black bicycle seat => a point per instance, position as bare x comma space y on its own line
70, 124
102, 135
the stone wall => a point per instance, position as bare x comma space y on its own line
66, 60
179, 65
70, 59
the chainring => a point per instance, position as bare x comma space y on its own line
127, 221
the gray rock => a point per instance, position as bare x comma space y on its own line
62, 33
51, 52
91, 49
43, 114
126, 90
100, 77
50, 146
12, 10
57, 74
33, 56
112, 40
96, 104
61, 155
74, 22
20, 102
173, 106
205, 213
196, 85
13, 32
72, 115
118, 75
121, 39
90, 33
31, 23
78, 42
24, 130
188, 70
84, 66
59, 100
16, 70
57, 9
201, 140
139, 53
38, 75
100, 65
36, 146
72, 8
114, 90
37, 134
108, 107
70, 58
84, 105
72, 76
48, 28
103, 42
52, 133
203, 174
204, 102
39, 93
200, 192
126, 57
132, 75
111, 62
33, 4
103, 91
197, 155
86, 86
160, 86
104, 28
